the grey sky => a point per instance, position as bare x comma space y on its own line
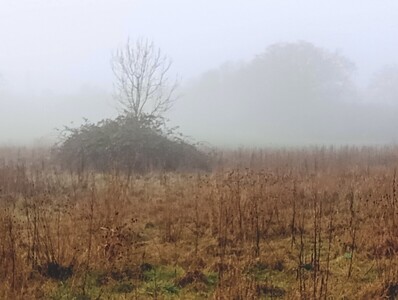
64, 46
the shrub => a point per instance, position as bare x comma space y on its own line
127, 144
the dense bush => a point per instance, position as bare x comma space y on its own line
127, 144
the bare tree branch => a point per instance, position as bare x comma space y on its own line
141, 82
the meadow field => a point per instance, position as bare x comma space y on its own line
310, 223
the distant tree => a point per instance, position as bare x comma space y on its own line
143, 87
279, 95
292, 74
303, 72
138, 140
383, 87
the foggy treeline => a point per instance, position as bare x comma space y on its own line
290, 94
295, 94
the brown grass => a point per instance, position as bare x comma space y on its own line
316, 223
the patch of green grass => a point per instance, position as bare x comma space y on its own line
123, 288
259, 271
212, 278
161, 280
163, 273
171, 289
66, 292
82, 297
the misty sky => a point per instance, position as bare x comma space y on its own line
55, 55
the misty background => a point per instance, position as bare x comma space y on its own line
254, 73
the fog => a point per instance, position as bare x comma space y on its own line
252, 73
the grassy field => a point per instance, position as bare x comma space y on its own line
314, 223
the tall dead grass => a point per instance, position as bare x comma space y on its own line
297, 224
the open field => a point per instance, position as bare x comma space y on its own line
316, 223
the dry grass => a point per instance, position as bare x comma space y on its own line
297, 224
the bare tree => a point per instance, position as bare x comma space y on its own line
143, 88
